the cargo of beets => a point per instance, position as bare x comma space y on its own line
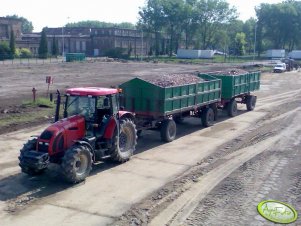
236, 82
160, 96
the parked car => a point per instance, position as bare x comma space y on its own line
279, 68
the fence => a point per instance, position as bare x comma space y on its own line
32, 60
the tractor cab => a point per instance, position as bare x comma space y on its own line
96, 105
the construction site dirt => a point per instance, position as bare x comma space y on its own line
207, 176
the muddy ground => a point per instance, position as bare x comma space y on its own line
211, 176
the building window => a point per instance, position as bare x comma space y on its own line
84, 46
77, 46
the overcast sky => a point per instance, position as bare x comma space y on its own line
56, 13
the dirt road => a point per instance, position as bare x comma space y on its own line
212, 176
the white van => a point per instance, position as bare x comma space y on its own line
279, 68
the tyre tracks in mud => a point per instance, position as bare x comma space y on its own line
176, 201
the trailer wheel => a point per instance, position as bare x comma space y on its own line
250, 102
77, 163
168, 130
28, 146
232, 108
207, 117
123, 150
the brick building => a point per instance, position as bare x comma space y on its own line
7, 25
91, 41
97, 41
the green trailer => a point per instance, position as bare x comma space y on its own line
71, 57
160, 107
237, 86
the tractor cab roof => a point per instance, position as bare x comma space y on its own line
93, 91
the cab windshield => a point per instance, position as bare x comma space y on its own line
81, 105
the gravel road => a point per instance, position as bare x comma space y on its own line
207, 176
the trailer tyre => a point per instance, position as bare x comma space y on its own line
28, 146
207, 117
232, 108
123, 150
251, 102
77, 163
168, 130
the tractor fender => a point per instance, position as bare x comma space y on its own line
109, 132
86, 143
110, 129
126, 114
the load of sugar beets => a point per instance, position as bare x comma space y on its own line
99, 124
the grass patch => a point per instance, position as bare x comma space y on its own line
17, 119
29, 113
215, 59
40, 102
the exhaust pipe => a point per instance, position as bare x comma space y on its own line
58, 104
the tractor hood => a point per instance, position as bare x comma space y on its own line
62, 134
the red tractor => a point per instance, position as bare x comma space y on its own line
93, 129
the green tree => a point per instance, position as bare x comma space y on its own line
101, 24
174, 15
12, 44
4, 50
249, 28
279, 25
152, 20
240, 40
54, 49
212, 15
26, 26
234, 27
43, 48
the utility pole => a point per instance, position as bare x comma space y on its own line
255, 34
141, 44
63, 41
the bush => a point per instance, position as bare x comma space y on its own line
117, 53
25, 53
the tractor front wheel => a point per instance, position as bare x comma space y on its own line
124, 149
77, 163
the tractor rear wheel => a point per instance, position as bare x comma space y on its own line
207, 117
124, 149
77, 163
250, 102
29, 146
168, 130
232, 108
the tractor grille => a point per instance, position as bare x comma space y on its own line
42, 147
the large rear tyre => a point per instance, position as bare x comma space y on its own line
232, 108
77, 163
124, 149
251, 102
207, 117
168, 130
29, 146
